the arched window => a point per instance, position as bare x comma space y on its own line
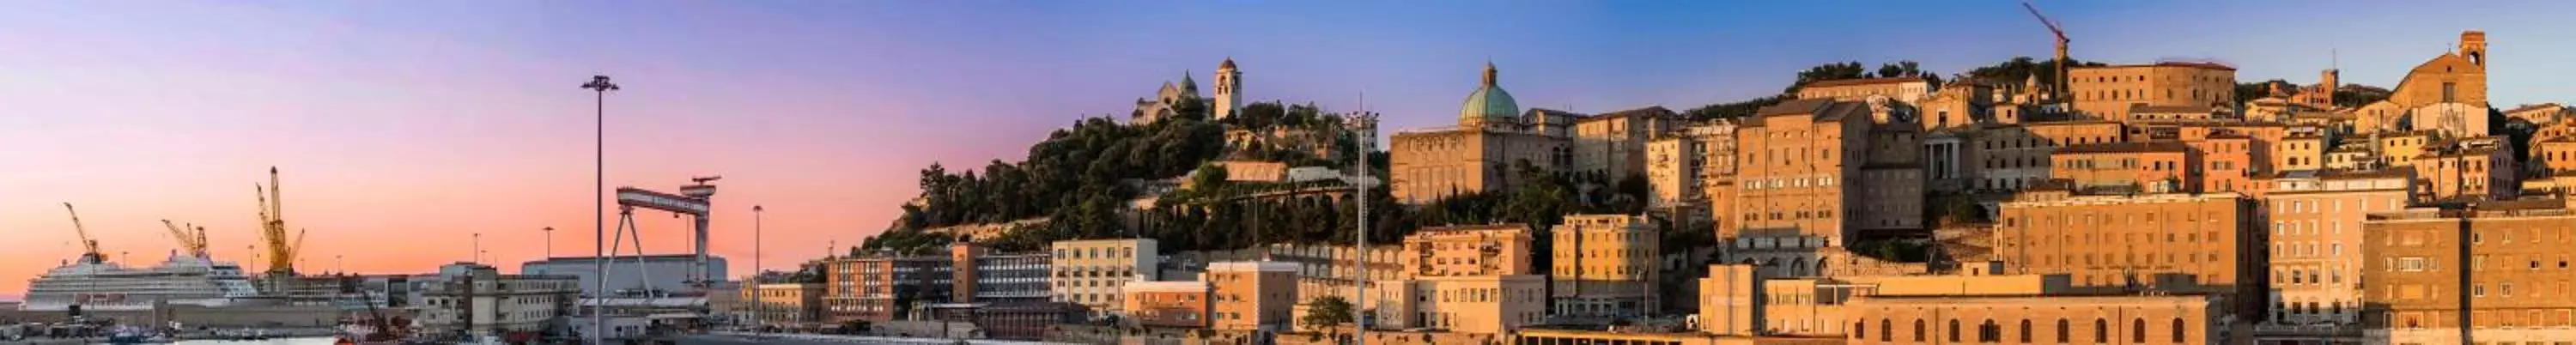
1954, 331
2138, 331
2025, 331
2064, 334
1860, 330
1989, 332
2101, 331
1918, 330
1886, 330
2177, 330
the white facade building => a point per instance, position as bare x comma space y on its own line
665, 273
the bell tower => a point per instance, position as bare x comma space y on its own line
2473, 45
1229, 89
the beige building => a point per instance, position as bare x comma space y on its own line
1792, 193
1468, 250
1901, 89
1090, 272
1958, 104
2315, 251
1252, 295
1612, 145
2497, 269
2112, 92
2166, 242
1167, 303
467, 294
1727, 300
2016, 157
2151, 319
1606, 268
785, 305
1484, 304
1491, 140
2305, 151
2474, 172
2148, 167
2458, 76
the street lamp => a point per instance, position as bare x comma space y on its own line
599, 85
1363, 125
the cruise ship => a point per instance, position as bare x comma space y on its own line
99, 285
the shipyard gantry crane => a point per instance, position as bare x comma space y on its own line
193, 242
2058, 92
272, 220
89, 246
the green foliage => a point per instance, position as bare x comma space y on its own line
1074, 176
1210, 176
2022, 68
1324, 312
1732, 110
2357, 95
1854, 70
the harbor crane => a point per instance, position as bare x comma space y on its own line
90, 246
193, 242
693, 201
2059, 91
272, 220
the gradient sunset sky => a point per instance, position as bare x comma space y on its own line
403, 128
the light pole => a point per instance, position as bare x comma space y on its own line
550, 243
599, 86
478, 248
1364, 125
760, 310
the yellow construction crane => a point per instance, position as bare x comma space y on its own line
272, 219
90, 246
194, 243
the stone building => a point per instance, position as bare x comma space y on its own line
2316, 254
1166, 102
1793, 162
2458, 76
1901, 89
2016, 157
1468, 250
1090, 272
1229, 91
2146, 319
2496, 269
1605, 268
2149, 167
2474, 171
474, 298
2159, 242
2113, 92
1491, 140
785, 305
1612, 145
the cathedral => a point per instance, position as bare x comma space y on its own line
1167, 101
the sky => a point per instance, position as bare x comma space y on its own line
404, 129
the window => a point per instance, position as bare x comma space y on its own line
2025, 331
2138, 331
2101, 331
2178, 330
2063, 332
1954, 331
1918, 330
1887, 331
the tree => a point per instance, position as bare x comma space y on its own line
1325, 312
1209, 177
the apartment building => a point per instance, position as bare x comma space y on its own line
1468, 250
785, 305
2162, 242
2112, 92
2147, 167
1252, 295
1605, 268
1184, 304
1090, 272
2315, 246
2493, 273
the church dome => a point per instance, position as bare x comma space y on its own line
1489, 102
1229, 63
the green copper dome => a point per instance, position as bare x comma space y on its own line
1489, 102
